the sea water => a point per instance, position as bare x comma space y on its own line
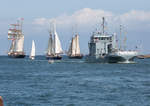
69, 82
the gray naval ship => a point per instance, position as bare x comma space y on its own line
103, 48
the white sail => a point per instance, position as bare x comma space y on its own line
50, 49
12, 47
58, 49
77, 51
33, 49
10, 32
20, 43
73, 46
70, 49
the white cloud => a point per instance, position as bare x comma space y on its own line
136, 16
88, 17
136, 20
82, 18
40, 21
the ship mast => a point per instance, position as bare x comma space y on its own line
50, 42
125, 39
120, 37
103, 25
15, 33
15, 30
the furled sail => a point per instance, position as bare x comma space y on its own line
20, 43
32, 49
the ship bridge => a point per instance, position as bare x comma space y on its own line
96, 37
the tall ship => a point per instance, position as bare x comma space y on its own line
74, 49
54, 49
16, 36
103, 48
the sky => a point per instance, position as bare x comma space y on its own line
86, 15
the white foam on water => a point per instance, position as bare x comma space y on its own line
127, 62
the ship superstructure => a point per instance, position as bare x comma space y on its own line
16, 36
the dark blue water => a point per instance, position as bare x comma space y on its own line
73, 83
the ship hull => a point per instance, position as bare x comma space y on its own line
121, 57
17, 56
95, 59
76, 57
109, 59
54, 57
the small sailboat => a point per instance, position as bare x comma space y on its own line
54, 46
74, 49
32, 54
16, 35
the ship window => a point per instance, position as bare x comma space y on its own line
105, 38
102, 38
108, 38
96, 38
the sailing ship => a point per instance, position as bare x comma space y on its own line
32, 54
16, 36
103, 48
74, 49
54, 46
